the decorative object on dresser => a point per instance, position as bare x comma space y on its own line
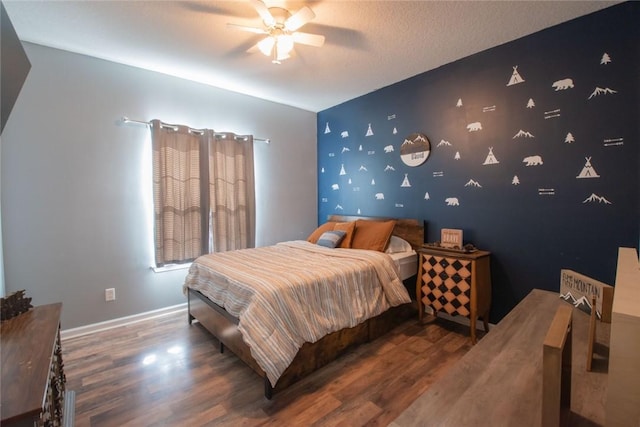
457, 283
14, 304
33, 380
451, 238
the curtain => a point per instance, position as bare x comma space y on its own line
231, 192
176, 193
203, 191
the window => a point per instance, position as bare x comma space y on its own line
203, 192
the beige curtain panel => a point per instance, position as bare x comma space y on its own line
203, 192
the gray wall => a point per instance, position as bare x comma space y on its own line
75, 219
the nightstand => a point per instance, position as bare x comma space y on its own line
456, 283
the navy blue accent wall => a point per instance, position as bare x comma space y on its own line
534, 152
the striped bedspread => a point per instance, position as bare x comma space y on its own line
295, 292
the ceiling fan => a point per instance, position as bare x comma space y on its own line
280, 28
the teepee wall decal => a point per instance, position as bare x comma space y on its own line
491, 159
515, 77
588, 171
369, 131
405, 181
326, 128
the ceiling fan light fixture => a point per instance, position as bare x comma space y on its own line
266, 45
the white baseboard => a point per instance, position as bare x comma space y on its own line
121, 321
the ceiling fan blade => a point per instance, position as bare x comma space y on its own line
264, 13
309, 39
248, 29
299, 18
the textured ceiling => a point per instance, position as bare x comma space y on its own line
369, 44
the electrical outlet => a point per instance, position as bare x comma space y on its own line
110, 294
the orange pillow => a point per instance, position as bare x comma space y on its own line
327, 226
349, 227
372, 235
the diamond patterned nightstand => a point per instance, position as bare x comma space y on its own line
458, 284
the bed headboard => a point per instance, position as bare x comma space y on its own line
411, 230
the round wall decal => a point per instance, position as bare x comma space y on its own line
415, 149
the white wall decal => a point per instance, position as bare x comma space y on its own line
345, 149
605, 59
608, 142
344, 134
523, 134
369, 131
391, 117
332, 154
489, 109
457, 156
349, 182
395, 131
339, 207
533, 160
515, 180
335, 187
326, 128
474, 127
389, 168
563, 84
342, 171
531, 103
399, 205
588, 171
358, 211
388, 149
515, 77
546, 191
371, 152
491, 158
438, 174
452, 201
602, 91
594, 198
443, 142
324, 200
552, 114
459, 103
379, 196
405, 181
473, 183
426, 196
373, 181
569, 138
360, 147
322, 170
363, 168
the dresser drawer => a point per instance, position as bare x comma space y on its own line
447, 285
457, 284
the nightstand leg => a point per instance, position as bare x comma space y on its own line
473, 329
485, 321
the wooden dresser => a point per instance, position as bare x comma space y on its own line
456, 283
33, 381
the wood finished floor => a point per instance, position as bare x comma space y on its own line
165, 372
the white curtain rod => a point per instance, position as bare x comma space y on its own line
126, 119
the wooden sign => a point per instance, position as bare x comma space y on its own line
451, 238
577, 289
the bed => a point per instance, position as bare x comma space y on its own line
222, 297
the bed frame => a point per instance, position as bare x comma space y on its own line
311, 356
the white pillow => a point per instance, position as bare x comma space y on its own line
397, 244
